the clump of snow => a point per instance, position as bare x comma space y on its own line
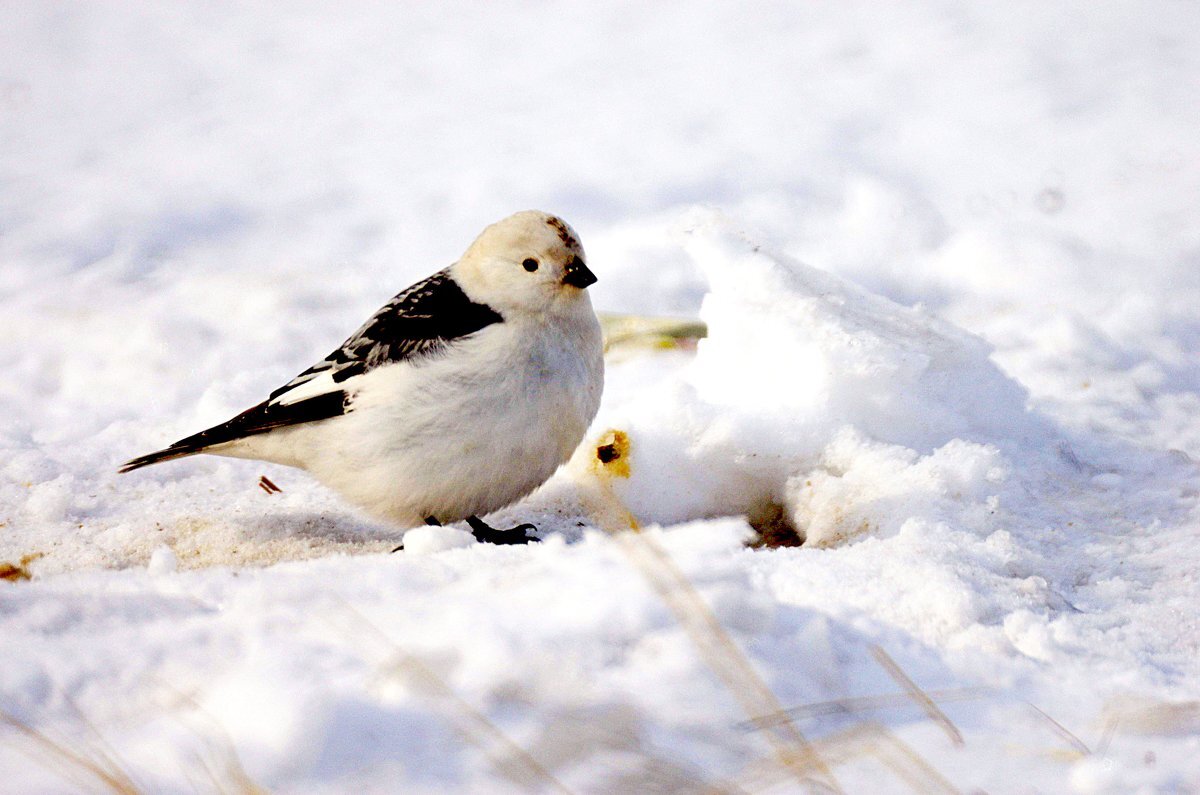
428, 540
861, 486
812, 394
162, 561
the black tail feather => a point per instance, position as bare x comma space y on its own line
262, 418
172, 452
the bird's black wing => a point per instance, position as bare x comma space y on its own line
419, 322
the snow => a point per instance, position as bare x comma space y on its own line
949, 263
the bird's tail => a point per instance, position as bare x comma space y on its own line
177, 450
263, 418
196, 443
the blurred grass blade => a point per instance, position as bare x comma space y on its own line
505, 754
855, 704
917, 694
646, 332
716, 647
872, 739
1061, 730
101, 771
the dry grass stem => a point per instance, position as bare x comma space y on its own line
505, 754
716, 647
1061, 730
513, 761
865, 740
94, 767
874, 740
1106, 736
856, 704
917, 694
222, 755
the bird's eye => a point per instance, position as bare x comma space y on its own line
530, 264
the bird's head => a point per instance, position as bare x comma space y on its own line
529, 262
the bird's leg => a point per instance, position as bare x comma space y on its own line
490, 535
429, 520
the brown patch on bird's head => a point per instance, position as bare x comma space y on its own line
564, 232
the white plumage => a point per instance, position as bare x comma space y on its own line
460, 396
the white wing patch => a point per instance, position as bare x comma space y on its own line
311, 385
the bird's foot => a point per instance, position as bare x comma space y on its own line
486, 534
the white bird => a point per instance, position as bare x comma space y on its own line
460, 396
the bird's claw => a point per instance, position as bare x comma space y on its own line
486, 534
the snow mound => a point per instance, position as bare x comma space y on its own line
818, 404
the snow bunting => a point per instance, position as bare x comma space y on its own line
461, 395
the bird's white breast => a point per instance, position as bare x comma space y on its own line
466, 431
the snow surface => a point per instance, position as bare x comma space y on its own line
949, 259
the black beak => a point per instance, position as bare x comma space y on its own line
578, 275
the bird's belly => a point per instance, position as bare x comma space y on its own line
452, 442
